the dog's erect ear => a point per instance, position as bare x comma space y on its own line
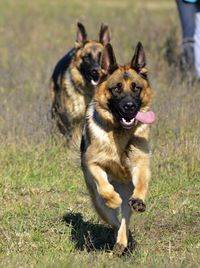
104, 34
81, 36
108, 60
138, 61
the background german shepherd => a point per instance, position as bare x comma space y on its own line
115, 149
74, 79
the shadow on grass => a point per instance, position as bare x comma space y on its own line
87, 235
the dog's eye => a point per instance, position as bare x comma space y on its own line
87, 57
117, 88
135, 88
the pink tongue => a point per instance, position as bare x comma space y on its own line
146, 118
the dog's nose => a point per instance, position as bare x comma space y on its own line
129, 106
94, 72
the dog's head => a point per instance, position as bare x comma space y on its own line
125, 92
89, 52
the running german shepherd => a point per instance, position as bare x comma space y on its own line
74, 79
115, 150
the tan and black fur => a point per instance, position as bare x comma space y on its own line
115, 161
74, 79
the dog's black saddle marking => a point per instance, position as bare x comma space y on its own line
62, 65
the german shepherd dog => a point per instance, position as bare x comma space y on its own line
74, 79
115, 151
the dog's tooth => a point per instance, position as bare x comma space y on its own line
94, 83
128, 122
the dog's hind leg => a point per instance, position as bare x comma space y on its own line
125, 191
109, 215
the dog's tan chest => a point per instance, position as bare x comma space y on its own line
118, 164
119, 172
113, 158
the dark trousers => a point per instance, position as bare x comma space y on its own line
187, 13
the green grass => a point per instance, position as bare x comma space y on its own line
46, 218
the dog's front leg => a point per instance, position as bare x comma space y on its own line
105, 189
140, 178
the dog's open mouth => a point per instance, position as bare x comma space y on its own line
143, 117
94, 82
94, 79
126, 123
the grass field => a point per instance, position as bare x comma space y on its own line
46, 219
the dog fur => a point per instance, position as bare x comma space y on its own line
74, 79
116, 161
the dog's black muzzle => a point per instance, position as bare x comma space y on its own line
125, 110
91, 72
128, 107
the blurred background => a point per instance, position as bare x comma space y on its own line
39, 182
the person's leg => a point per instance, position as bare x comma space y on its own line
187, 17
197, 42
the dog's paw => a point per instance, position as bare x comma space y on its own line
114, 200
111, 198
119, 249
137, 204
